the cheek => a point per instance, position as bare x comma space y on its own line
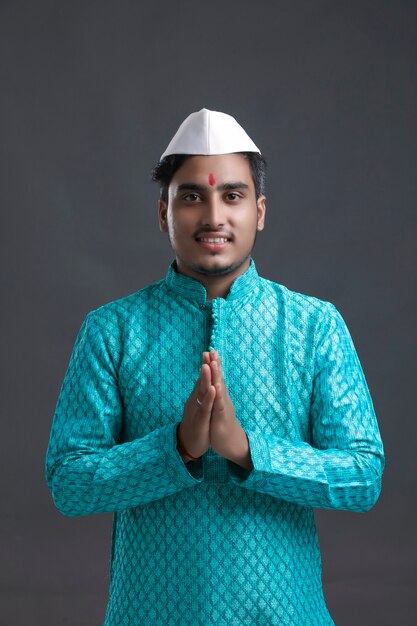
171, 224
177, 227
249, 224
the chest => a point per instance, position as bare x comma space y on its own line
267, 365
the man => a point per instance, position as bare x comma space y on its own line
212, 411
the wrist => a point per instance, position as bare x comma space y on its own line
185, 455
241, 454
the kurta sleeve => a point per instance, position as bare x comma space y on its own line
343, 466
87, 469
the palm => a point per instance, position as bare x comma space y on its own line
227, 436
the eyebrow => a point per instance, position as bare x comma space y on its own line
223, 187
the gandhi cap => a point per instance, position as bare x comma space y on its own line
210, 132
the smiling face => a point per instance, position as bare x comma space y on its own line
212, 216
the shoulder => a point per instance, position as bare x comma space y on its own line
307, 318
134, 300
117, 314
312, 321
295, 303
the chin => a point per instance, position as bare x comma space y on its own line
219, 269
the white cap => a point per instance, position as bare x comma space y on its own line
210, 132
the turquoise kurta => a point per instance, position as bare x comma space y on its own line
208, 542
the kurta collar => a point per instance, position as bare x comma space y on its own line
193, 290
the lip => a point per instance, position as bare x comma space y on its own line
213, 234
210, 245
213, 246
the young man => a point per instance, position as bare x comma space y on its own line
212, 411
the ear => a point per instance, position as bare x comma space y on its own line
162, 216
261, 208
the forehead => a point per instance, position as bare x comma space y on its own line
222, 167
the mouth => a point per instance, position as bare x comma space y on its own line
216, 240
213, 243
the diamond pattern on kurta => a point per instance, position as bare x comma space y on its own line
208, 542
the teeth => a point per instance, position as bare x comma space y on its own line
213, 240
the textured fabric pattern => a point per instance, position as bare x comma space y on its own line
209, 542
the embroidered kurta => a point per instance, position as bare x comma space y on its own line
208, 542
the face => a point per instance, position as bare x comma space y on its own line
212, 215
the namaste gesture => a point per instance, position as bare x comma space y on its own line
210, 419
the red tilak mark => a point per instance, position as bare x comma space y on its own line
212, 180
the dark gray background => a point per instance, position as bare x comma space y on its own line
90, 95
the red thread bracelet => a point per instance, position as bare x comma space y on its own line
183, 450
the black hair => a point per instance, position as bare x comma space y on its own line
163, 172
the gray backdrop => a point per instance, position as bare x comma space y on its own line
90, 94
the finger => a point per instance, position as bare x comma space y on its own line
203, 383
204, 379
205, 405
215, 374
213, 355
216, 368
209, 397
220, 367
219, 402
206, 358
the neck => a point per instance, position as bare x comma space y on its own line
215, 286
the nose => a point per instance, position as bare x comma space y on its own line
214, 214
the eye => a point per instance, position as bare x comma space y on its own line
191, 197
232, 196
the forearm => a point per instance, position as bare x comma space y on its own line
297, 472
124, 476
